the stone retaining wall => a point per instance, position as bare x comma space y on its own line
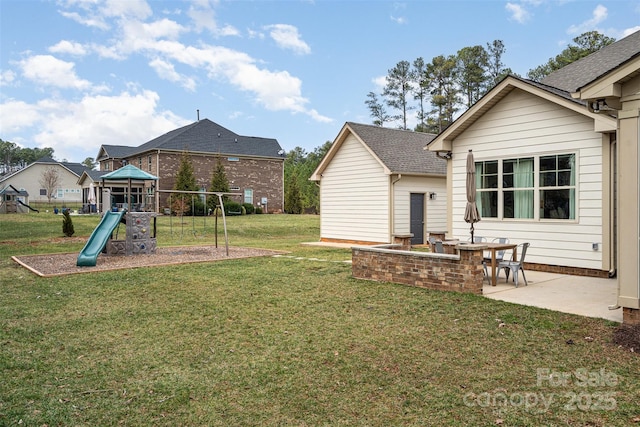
461, 272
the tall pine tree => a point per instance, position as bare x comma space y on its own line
185, 181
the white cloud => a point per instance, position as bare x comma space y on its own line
76, 130
204, 18
380, 82
398, 19
89, 21
7, 77
287, 37
629, 31
138, 9
68, 47
166, 71
49, 71
599, 14
518, 12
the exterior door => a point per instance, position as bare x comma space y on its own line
417, 218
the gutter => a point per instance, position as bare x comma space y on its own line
392, 206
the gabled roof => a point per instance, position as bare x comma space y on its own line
579, 74
205, 136
114, 151
91, 176
442, 142
398, 151
75, 168
129, 172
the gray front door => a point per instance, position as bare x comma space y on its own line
417, 218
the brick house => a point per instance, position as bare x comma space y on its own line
254, 166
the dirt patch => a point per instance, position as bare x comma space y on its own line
62, 264
628, 336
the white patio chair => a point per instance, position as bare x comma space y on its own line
515, 267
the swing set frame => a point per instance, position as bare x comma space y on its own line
205, 193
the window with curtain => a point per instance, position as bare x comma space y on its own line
518, 191
507, 189
487, 188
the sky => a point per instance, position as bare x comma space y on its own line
77, 74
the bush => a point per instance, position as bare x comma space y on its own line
248, 208
67, 223
232, 208
258, 210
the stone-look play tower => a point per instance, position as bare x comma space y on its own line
140, 236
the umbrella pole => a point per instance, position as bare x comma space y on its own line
472, 239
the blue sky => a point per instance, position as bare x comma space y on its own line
76, 74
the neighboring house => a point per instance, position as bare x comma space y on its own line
377, 182
254, 166
557, 166
29, 179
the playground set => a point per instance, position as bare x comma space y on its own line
140, 234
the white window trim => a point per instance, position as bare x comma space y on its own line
536, 188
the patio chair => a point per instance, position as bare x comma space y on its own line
499, 254
439, 247
477, 239
514, 267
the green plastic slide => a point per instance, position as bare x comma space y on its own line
98, 239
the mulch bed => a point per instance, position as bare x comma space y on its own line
50, 265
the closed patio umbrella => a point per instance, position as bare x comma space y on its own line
91, 198
471, 214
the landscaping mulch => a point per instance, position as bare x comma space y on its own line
60, 264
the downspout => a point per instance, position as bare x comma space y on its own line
613, 211
392, 205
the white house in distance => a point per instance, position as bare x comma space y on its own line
557, 166
28, 179
377, 182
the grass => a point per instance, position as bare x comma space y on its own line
284, 341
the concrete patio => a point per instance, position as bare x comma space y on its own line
585, 296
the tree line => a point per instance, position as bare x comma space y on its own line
439, 89
13, 157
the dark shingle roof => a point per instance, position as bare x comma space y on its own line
580, 73
401, 151
205, 136
76, 168
118, 151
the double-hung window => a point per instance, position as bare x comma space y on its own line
512, 188
558, 187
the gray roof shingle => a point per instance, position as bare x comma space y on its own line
580, 73
401, 151
205, 136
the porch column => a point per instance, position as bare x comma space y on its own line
628, 212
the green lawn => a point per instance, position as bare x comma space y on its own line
285, 341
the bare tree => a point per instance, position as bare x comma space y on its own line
50, 180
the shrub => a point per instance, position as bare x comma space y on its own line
258, 210
67, 223
232, 208
249, 208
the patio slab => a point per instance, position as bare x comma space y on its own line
585, 296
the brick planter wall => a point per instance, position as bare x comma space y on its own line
461, 272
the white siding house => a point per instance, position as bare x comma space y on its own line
368, 179
29, 179
542, 175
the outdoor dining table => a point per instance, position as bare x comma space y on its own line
495, 247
